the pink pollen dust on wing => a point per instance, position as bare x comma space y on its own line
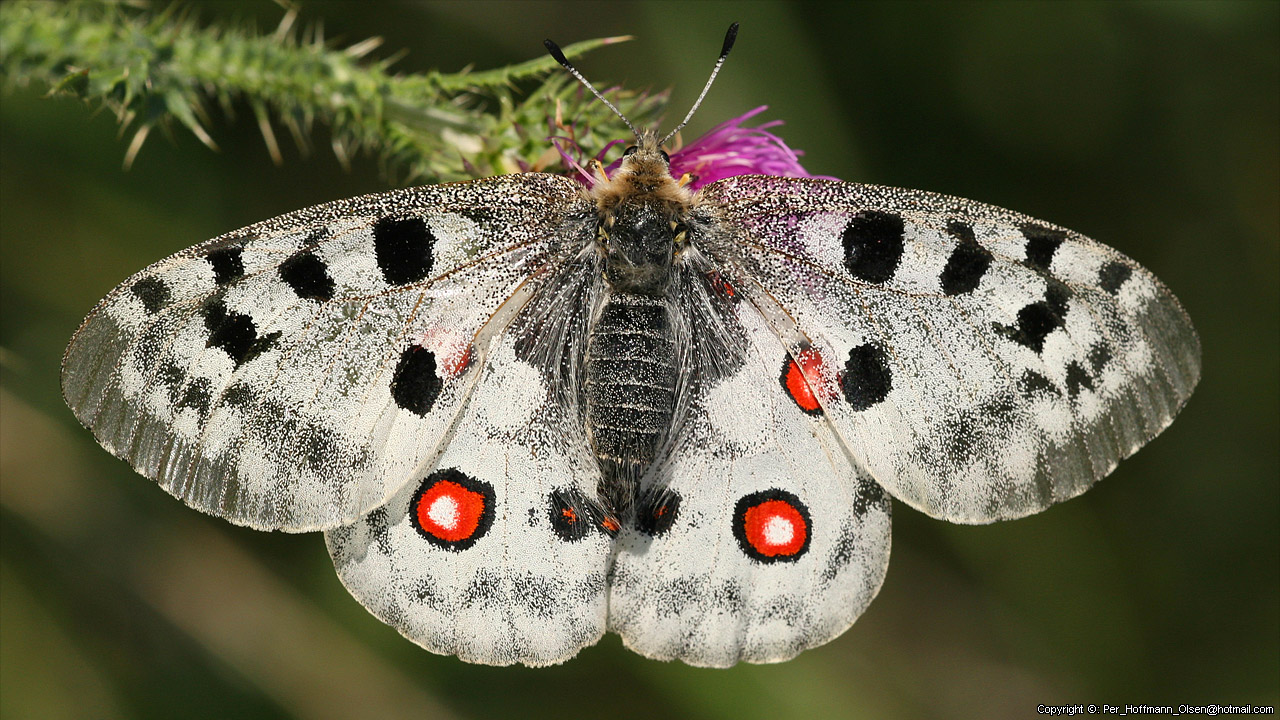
726, 150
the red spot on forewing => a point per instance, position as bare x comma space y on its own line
457, 362
610, 524
775, 528
801, 374
450, 512
453, 349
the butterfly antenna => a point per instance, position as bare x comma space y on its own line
558, 54
729, 37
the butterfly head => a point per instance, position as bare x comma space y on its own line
642, 209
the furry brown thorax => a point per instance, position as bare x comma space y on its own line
642, 210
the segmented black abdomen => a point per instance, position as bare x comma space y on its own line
630, 380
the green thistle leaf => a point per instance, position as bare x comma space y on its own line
164, 68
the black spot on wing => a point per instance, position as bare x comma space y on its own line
379, 529
1042, 243
308, 276
873, 245
657, 512
866, 379
570, 514
1077, 378
1032, 384
322, 448
227, 263
404, 249
1037, 320
869, 495
171, 375
1099, 356
197, 397
153, 293
1113, 275
414, 385
239, 395
233, 332
968, 262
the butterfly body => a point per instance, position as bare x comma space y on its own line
632, 362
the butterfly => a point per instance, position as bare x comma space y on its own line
525, 412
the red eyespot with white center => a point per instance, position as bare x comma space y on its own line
800, 375
452, 509
772, 526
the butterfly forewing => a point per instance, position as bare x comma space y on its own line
294, 374
980, 364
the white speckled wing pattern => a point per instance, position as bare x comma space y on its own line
760, 539
525, 581
403, 371
979, 364
294, 374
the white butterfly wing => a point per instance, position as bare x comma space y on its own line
760, 539
980, 364
294, 374
494, 555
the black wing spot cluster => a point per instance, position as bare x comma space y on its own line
415, 384
404, 249
873, 245
308, 276
867, 377
227, 263
968, 261
1037, 320
153, 293
234, 333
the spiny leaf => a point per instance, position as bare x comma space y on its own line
165, 68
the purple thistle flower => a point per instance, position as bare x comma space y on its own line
727, 150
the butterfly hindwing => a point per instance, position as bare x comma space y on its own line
980, 364
498, 554
294, 374
756, 538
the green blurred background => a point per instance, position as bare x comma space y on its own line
1154, 127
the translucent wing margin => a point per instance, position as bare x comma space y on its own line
292, 375
980, 364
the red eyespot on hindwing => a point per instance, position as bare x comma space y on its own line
452, 509
772, 526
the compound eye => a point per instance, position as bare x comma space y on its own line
665, 157
628, 151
